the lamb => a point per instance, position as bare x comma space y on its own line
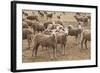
86, 36
44, 40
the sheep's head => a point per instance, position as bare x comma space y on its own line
66, 31
70, 27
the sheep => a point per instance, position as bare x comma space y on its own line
83, 19
86, 36
24, 25
49, 16
33, 18
44, 40
47, 23
41, 13
27, 34
37, 26
24, 13
74, 31
59, 22
29, 22
61, 38
47, 32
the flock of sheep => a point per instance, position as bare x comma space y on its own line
51, 33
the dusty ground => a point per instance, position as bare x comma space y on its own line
72, 51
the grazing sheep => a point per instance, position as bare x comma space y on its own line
44, 40
50, 15
37, 26
27, 34
86, 36
74, 32
32, 18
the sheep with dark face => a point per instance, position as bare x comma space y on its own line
86, 36
44, 40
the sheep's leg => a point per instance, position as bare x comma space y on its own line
64, 49
79, 39
48, 52
29, 42
36, 50
33, 52
76, 40
34, 32
82, 43
86, 44
54, 52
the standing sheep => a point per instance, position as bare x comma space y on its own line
27, 34
37, 26
86, 36
61, 38
47, 23
44, 40
74, 32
